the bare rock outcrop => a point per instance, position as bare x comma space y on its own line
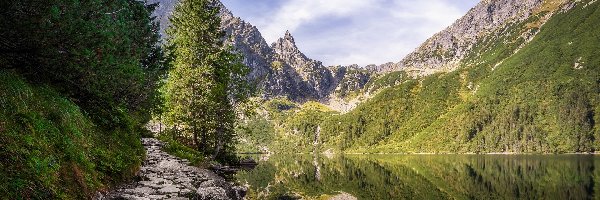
445, 50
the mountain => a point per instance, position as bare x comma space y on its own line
279, 69
509, 76
529, 82
446, 49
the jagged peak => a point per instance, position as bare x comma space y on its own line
286, 42
288, 36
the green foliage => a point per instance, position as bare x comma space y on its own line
305, 125
256, 133
387, 80
400, 113
283, 127
541, 97
101, 54
206, 81
182, 151
77, 85
278, 108
49, 149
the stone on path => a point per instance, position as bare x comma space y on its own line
164, 176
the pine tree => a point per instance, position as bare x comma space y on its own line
206, 79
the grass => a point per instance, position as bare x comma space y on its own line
179, 150
50, 149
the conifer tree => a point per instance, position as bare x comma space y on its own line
206, 79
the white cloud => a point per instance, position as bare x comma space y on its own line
295, 13
357, 31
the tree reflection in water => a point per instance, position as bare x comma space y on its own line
425, 177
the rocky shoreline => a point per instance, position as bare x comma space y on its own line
163, 176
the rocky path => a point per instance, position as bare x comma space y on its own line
163, 176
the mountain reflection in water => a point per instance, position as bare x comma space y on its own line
424, 177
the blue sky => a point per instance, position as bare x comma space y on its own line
343, 32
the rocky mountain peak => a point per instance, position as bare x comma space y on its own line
286, 47
446, 49
286, 51
288, 36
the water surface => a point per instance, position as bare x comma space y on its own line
425, 177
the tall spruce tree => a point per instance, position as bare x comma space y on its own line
206, 80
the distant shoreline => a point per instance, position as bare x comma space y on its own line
492, 153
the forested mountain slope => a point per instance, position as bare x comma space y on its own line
511, 93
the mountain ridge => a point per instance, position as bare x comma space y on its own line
282, 70
279, 69
530, 86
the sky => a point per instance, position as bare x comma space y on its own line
344, 32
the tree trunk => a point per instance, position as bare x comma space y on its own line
203, 139
220, 141
196, 143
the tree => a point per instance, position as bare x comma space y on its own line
104, 55
206, 80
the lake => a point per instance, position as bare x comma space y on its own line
424, 177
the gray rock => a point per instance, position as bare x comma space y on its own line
142, 190
215, 183
169, 189
178, 198
131, 197
240, 191
448, 47
162, 177
157, 196
212, 193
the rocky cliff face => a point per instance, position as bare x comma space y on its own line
280, 69
446, 49
248, 41
307, 79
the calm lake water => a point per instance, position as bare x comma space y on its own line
425, 177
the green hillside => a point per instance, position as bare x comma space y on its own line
542, 97
77, 85
51, 150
